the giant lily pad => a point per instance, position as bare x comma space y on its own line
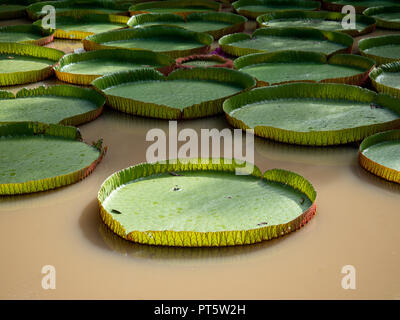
293, 66
83, 68
330, 21
173, 6
383, 49
24, 63
30, 34
216, 24
380, 155
359, 5
313, 113
60, 104
387, 17
386, 78
185, 93
173, 41
254, 8
277, 39
158, 204
83, 6
75, 25
37, 157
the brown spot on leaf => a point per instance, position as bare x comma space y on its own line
174, 174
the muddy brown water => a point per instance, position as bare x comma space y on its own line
356, 224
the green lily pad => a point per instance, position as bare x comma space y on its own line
12, 11
387, 17
75, 25
60, 104
148, 204
293, 66
383, 49
83, 6
172, 6
278, 39
386, 79
26, 33
24, 63
36, 157
83, 68
216, 24
313, 113
173, 41
323, 20
254, 8
380, 154
185, 93
359, 5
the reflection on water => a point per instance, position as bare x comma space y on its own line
321, 156
183, 254
136, 122
102, 237
371, 179
24, 201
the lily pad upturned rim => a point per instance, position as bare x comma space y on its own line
13, 13
368, 43
301, 56
332, 5
313, 90
145, 7
204, 239
167, 63
337, 37
382, 23
308, 5
34, 10
380, 87
37, 128
237, 22
326, 15
77, 15
373, 166
63, 91
94, 42
220, 62
46, 36
203, 109
13, 78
